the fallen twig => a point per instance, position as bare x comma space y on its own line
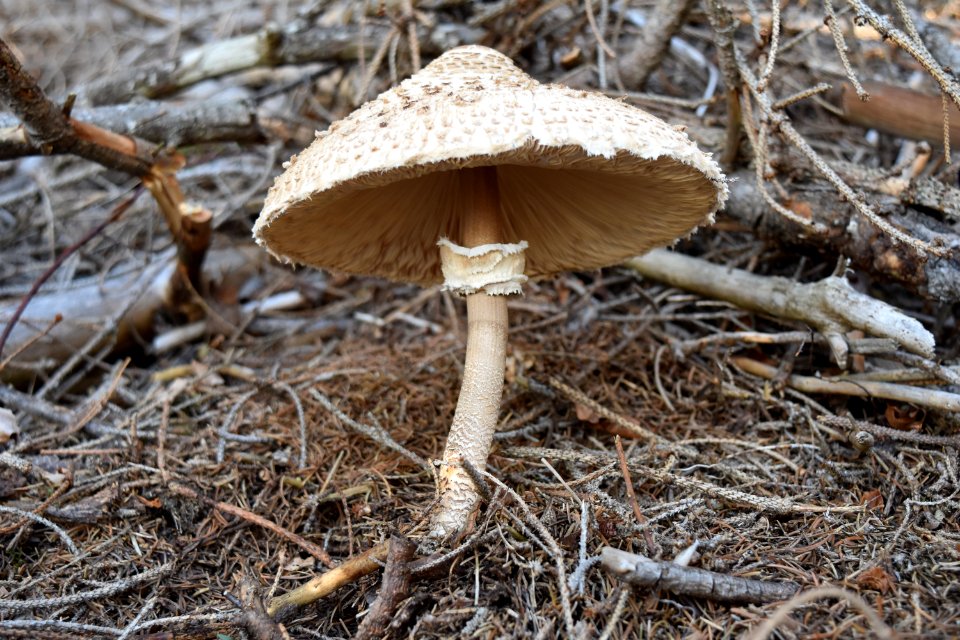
345, 573
112, 588
378, 434
769, 504
159, 122
86, 308
652, 546
394, 588
314, 550
55, 132
118, 211
634, 428
36, 517
49, 127
933, 398
295, 44
831, 305
664, 19
781, 614
890, 433
901, 112
868, 249
641, 571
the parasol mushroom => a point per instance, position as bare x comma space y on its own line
472, 174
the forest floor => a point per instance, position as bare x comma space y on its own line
171, 488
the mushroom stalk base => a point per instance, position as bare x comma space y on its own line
475, 419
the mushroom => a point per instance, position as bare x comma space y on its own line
472, 174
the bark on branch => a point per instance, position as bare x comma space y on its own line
157, 122
54, 131
643, 572
831, 305
868, 248
664, 20
270, 47
48, 127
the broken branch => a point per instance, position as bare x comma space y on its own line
641, 571
933, 398
46, 124
831, 305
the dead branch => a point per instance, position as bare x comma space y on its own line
632, 427
87, 308
48, 127
901, 112
888, 433
11, 322
770, 119
831, 305
913, 46
939, 44
664, 19
641, 571
921, 396
295, 44
376, 433
158, 122
393, 590
868, 248
189, 224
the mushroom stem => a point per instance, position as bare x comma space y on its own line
478, 407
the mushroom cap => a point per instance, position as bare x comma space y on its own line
587, 181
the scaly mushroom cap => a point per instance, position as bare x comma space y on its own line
586, 180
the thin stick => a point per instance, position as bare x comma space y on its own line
118, 211
249, 516
943, 400
652, 547
347, 572
302, 420
841, 46
916, 48
551, 542
57, 319
597, 35
635, 428
769, 504
890, 433
774, 43
692, 581
117, 586
49, 126
29, 515
780, 615
376, 433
